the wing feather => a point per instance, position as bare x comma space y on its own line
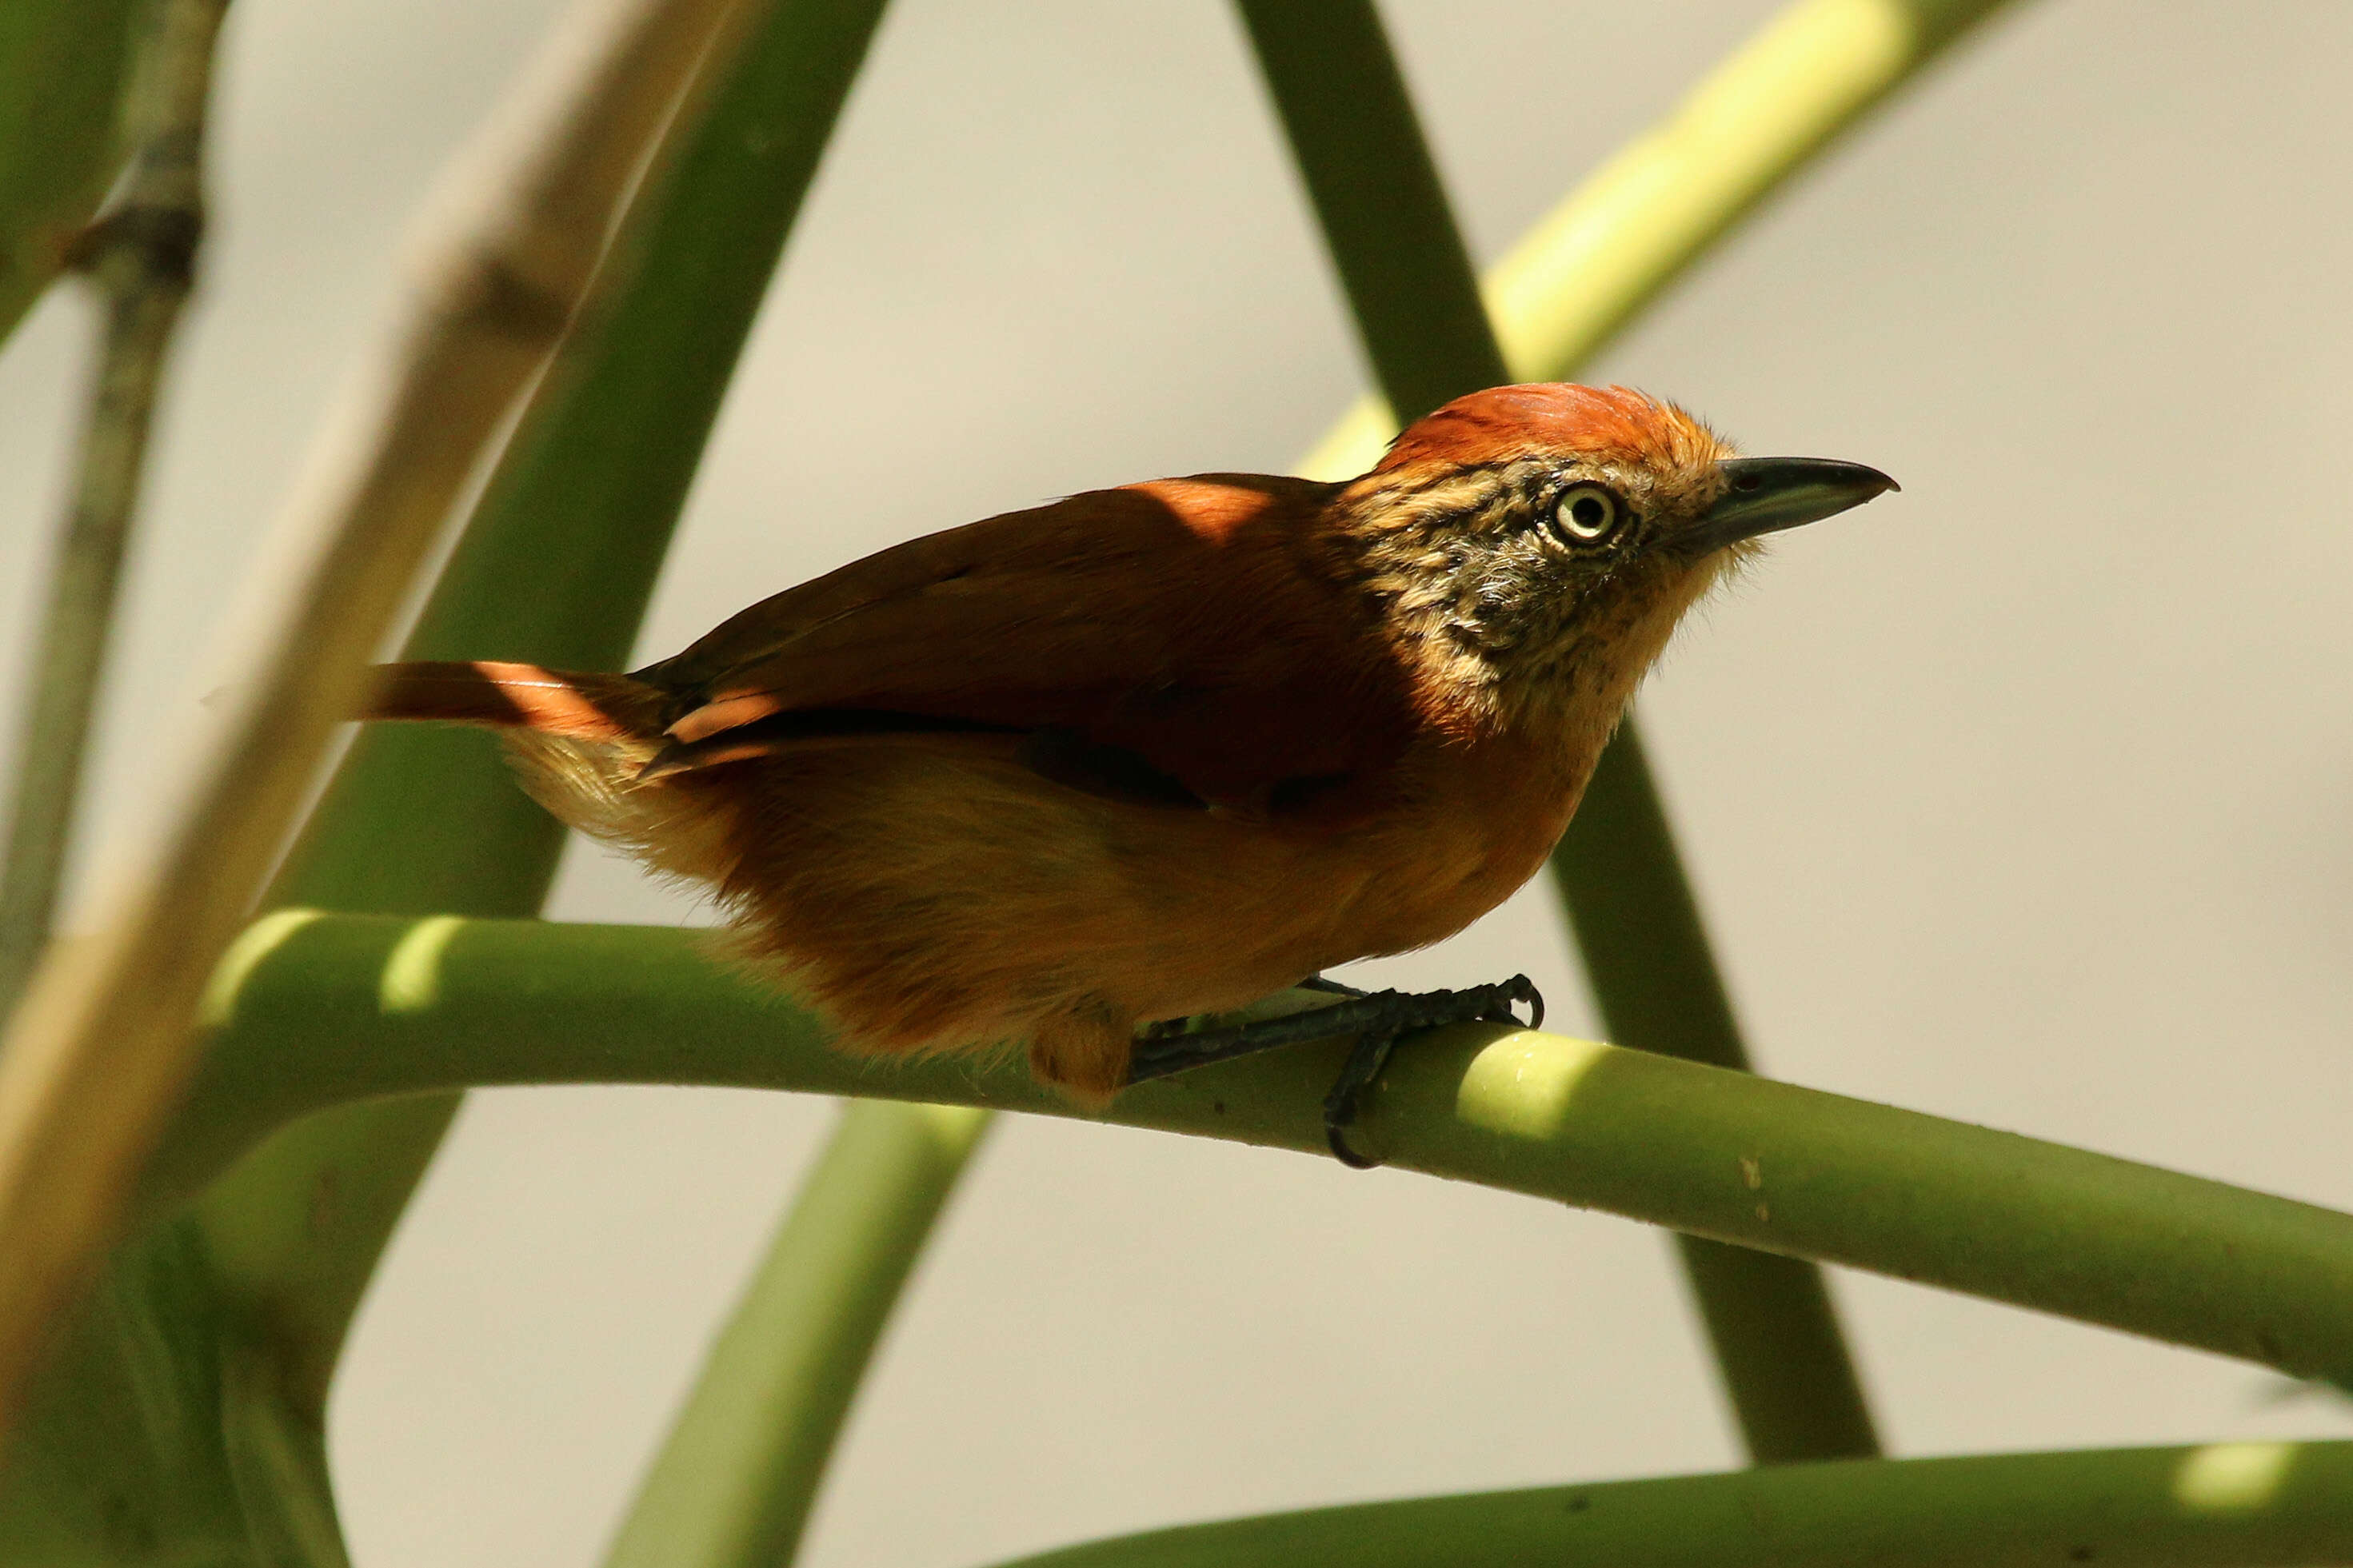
1190, 623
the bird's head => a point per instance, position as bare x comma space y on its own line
1531, 548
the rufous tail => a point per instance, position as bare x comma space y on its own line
573, 705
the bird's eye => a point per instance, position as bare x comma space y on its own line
1587, 514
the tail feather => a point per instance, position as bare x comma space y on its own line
573, 705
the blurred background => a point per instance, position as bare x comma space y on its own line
2019, 798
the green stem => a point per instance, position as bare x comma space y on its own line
734, 1481
317, 1010
1785, 1366
1604, 254
556, 565
1387, 223
140, 255
1653, 208
2225, 1505
1360, 147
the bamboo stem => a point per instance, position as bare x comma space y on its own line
1387, 223
2221, 1505
1607, 251
316, 1010
735, 1478
1785, 1366
100, 1048
422, 819
1634, 226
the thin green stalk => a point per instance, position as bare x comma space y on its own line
61, 65
2224, 1505
140, 256
1786, 1368
1654, 208
555, 565
322, 1009
1628, 231
734, 1481
1417, 305
1387, 223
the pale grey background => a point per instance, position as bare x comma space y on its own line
2021, 797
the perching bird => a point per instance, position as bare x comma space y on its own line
1161, 750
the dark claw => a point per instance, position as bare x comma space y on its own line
1518, 989
1414, 1011
1347, 1092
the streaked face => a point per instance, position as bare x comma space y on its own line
1533, 547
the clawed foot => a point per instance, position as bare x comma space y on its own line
1377, 1019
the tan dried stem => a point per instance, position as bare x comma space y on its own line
99, 1052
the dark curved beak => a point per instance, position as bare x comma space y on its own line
1766, 495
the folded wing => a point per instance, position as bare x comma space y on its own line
1183, 640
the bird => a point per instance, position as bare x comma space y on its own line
1049, 781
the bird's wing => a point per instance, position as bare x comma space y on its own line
1177, 634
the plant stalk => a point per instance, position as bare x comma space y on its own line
556, 565
1391, 234
317, 1010
101, 1044
2222, 1505
734, 1481
140, 255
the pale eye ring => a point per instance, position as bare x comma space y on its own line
1587, 514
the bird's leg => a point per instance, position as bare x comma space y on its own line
1377, 1019
1169, 1028
1337, 988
